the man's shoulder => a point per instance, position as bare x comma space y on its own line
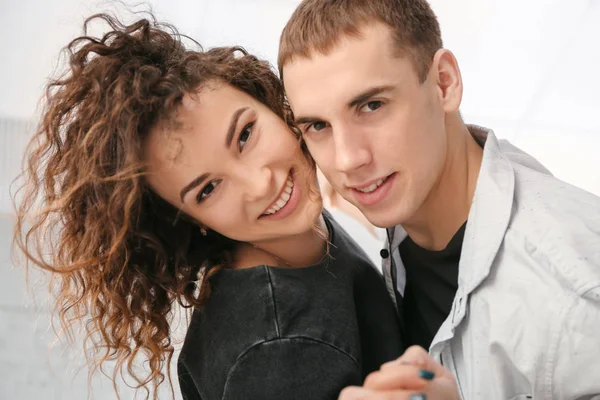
554, 226
549, 200
557, 227
536, 185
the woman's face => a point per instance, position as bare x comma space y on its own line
232, 164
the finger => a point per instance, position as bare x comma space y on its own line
357, 393
443, 389
415, 355
395, 363
418, 356
399, 376
354, 393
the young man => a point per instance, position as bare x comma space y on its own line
493, 262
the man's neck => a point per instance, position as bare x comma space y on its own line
448, 204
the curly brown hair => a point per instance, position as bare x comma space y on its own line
120, 255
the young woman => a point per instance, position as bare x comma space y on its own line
169, 175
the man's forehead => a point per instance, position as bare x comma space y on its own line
313, 84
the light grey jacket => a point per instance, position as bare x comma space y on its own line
525, 322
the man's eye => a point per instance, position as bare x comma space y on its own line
245, 135
316, 126
371, 106
207, 190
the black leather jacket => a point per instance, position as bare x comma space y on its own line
291, 333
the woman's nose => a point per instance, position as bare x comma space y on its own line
258, 183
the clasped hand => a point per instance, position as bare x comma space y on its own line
413, 376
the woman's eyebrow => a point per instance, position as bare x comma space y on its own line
190, 186
232, 124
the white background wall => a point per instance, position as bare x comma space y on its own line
529, 69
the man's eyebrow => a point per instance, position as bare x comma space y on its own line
360, 98
367, 94
306, 120
190, 186
232, 124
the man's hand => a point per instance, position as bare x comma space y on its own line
413, 376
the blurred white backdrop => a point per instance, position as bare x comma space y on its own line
529, 69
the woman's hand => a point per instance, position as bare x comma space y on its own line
413, 376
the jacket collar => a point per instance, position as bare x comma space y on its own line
490, 212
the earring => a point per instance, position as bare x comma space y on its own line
203, 232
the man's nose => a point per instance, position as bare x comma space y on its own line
351, 150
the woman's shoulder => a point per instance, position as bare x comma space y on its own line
257, 305
239, 313
273, 302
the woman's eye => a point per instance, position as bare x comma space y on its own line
207, 190
245, 135
371, 106
316, 126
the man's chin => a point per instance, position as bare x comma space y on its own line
384, 218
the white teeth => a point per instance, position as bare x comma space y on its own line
281, 203
371, 188
283, 199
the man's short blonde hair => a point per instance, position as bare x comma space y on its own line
318, 25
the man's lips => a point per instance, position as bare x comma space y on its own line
375, 192
363, 186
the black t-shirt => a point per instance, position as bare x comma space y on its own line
431, 283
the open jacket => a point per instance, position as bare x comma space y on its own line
525, 321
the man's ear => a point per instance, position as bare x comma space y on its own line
445, 71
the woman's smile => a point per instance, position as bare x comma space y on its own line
286, 202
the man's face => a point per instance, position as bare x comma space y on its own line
375, 131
